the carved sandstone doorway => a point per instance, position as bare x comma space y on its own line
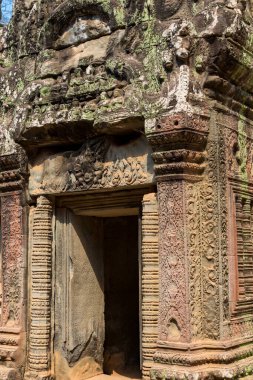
98, 326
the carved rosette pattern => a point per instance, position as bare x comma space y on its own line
12, 259
150, 282
41, 267
174, 313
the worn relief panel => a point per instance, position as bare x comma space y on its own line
102, 162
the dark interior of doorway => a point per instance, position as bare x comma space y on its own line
121, 291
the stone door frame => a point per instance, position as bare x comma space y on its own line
42, 252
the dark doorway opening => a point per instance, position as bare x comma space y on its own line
97, 317
121, 292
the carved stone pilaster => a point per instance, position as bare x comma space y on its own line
178, 142
179, 152
13, 174
174, 315
193, 340
39, 366
150, 281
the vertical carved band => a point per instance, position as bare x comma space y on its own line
150, 284
41, 263
174, 297
207, 244
203, 248
12, 259
194, 225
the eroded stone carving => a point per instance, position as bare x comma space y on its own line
12, 259
78, 80
174, 313
100, 163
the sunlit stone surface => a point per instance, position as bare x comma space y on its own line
126, 189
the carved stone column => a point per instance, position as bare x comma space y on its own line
13, 264
205, 307
39, 366
179, 143
149, 281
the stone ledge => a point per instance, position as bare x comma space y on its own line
242, 369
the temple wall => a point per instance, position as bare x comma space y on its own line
107, 105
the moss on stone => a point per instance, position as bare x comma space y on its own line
20, 85
119, 12
45, 91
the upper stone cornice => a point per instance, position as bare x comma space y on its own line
106, 64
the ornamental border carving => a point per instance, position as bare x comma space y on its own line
174, 324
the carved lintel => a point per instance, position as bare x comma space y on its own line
99, 164
41, 288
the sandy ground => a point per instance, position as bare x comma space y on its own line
134, 375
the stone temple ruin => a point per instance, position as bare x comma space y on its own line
126, 189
